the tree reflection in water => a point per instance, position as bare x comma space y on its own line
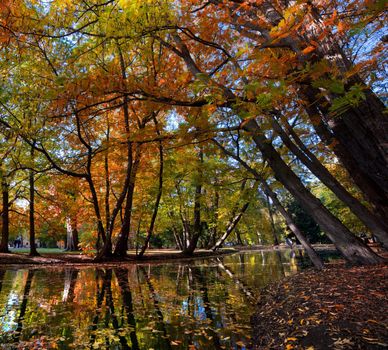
204, 304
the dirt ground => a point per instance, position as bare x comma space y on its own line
338, 308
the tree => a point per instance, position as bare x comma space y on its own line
112, 93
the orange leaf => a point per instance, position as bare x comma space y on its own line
308, 49
341, 27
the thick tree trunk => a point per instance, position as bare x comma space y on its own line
371, 221
340, 140
4, 215
352, 248
122, 243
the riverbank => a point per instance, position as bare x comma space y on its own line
75, 259
48, 257
338, 308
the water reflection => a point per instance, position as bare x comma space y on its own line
205, 304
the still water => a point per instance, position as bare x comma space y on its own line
202, 304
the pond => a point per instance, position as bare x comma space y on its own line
201, 304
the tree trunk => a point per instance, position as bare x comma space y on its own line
340, 141
213, 238
33, 251
106, 250
238, 236
122, 243
71, 234
360, 131
231, 226
314, 257
312, 163
4, 214
197, 228
96, 206
158, 196
352, 248
275, 236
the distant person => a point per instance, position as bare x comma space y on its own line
17, 242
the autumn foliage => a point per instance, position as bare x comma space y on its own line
164, 119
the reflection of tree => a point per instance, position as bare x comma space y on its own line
110, 312
199, 277
122, 278
241, 258
105, 289
160, 323
23, 306
70, 281
2, 273
279, 257
241, 285
100, 298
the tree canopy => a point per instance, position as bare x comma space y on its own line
196, 122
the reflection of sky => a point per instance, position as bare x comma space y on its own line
199, 308
8, 319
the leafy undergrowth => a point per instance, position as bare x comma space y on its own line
338, 308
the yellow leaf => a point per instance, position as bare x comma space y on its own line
291, 339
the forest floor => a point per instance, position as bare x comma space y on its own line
338, 308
